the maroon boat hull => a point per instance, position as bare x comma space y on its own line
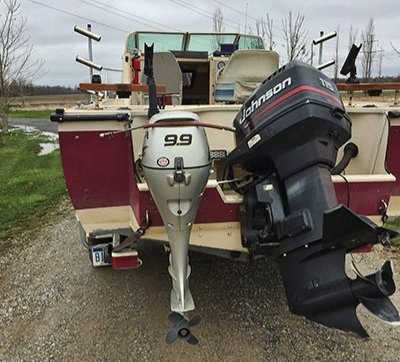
99, 172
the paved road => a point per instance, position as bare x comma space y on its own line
41, 124
54, 305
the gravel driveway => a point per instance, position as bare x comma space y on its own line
54, 305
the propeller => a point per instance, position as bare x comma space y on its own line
373, 292
181, 328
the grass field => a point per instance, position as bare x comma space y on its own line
33, 114
395, 225
30, 185
49, 101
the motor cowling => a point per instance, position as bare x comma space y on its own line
176, 163
294, 119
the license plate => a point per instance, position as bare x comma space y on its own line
98, 256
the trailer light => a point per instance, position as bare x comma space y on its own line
125, 259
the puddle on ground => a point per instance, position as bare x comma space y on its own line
47, 147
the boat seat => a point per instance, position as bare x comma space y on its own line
244, 71
167, 71
370, 133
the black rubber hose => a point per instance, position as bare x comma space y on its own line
350, 151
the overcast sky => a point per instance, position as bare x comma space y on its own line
50, 25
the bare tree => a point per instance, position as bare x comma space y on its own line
368, 40
218, 20
269, 24
218, 26
295, 37
352, 36
380, 58
265, 30
259, 27
17, 64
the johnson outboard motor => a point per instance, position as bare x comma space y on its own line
288, 134
176, 164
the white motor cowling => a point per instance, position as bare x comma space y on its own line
176, 164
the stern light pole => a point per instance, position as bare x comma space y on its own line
91, 36
322, 38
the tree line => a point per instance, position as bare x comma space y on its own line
21, 88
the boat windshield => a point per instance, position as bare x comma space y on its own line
162, 41
250, 42
211, 42
208, 42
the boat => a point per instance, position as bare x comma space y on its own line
210, 145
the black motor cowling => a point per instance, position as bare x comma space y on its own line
296, 111
288, 133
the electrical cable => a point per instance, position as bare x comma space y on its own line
236, 10
106, 7
204, 13
78, 16
109, 11
243, 13
235, 182
347, 188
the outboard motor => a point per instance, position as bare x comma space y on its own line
288, 134
176, 163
